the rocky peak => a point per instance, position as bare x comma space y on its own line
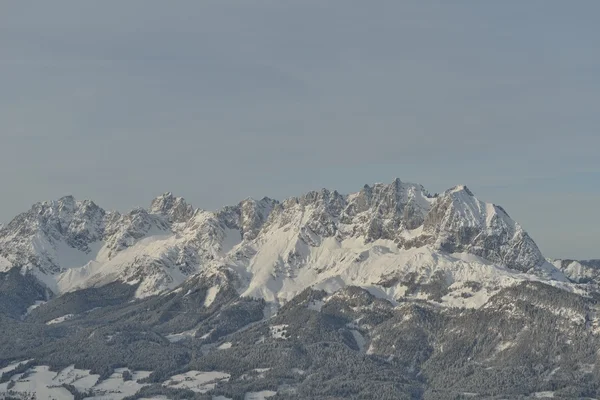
459, 222
175, 208
454, 222
388, 200
253, 215
386, 209
33, 237
78, 223
461, 189
248, 216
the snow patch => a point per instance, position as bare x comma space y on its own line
544, 395
265, 394
197, 381
5, 265
211, 295
116, 388
47, 385
177, 337
40, 381
503, 346
13, 366
278, 331
60, 319
34, 306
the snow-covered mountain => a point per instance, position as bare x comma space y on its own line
387, 293
386, 237
582, 271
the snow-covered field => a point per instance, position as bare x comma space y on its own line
200, 382
265, 394
47, 384
13, 366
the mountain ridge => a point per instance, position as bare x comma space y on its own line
69, 244
386, 293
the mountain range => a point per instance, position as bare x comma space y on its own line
405, 294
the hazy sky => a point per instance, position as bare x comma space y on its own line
216, 101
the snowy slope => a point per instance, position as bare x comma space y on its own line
389, 238
68, 244
579, 271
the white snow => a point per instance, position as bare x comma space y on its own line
115, 388
5, 265
279, 331
225, 346
128, 261
265, 394
207, 334
211, 295
41, 382
200, 382
288, 255
46, 384
60, 319
262, 370
81, 379
503, 346
544, 395
332, 265
13, 366
162, 249
177, 337
575, 270
34, 306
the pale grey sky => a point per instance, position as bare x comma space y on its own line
216, 101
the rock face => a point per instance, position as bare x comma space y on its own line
32, 237
458, 222
248, 216
294, 244
174, 208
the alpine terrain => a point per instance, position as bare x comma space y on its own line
386, 293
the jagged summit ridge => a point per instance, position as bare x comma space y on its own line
299, 242
175, 208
